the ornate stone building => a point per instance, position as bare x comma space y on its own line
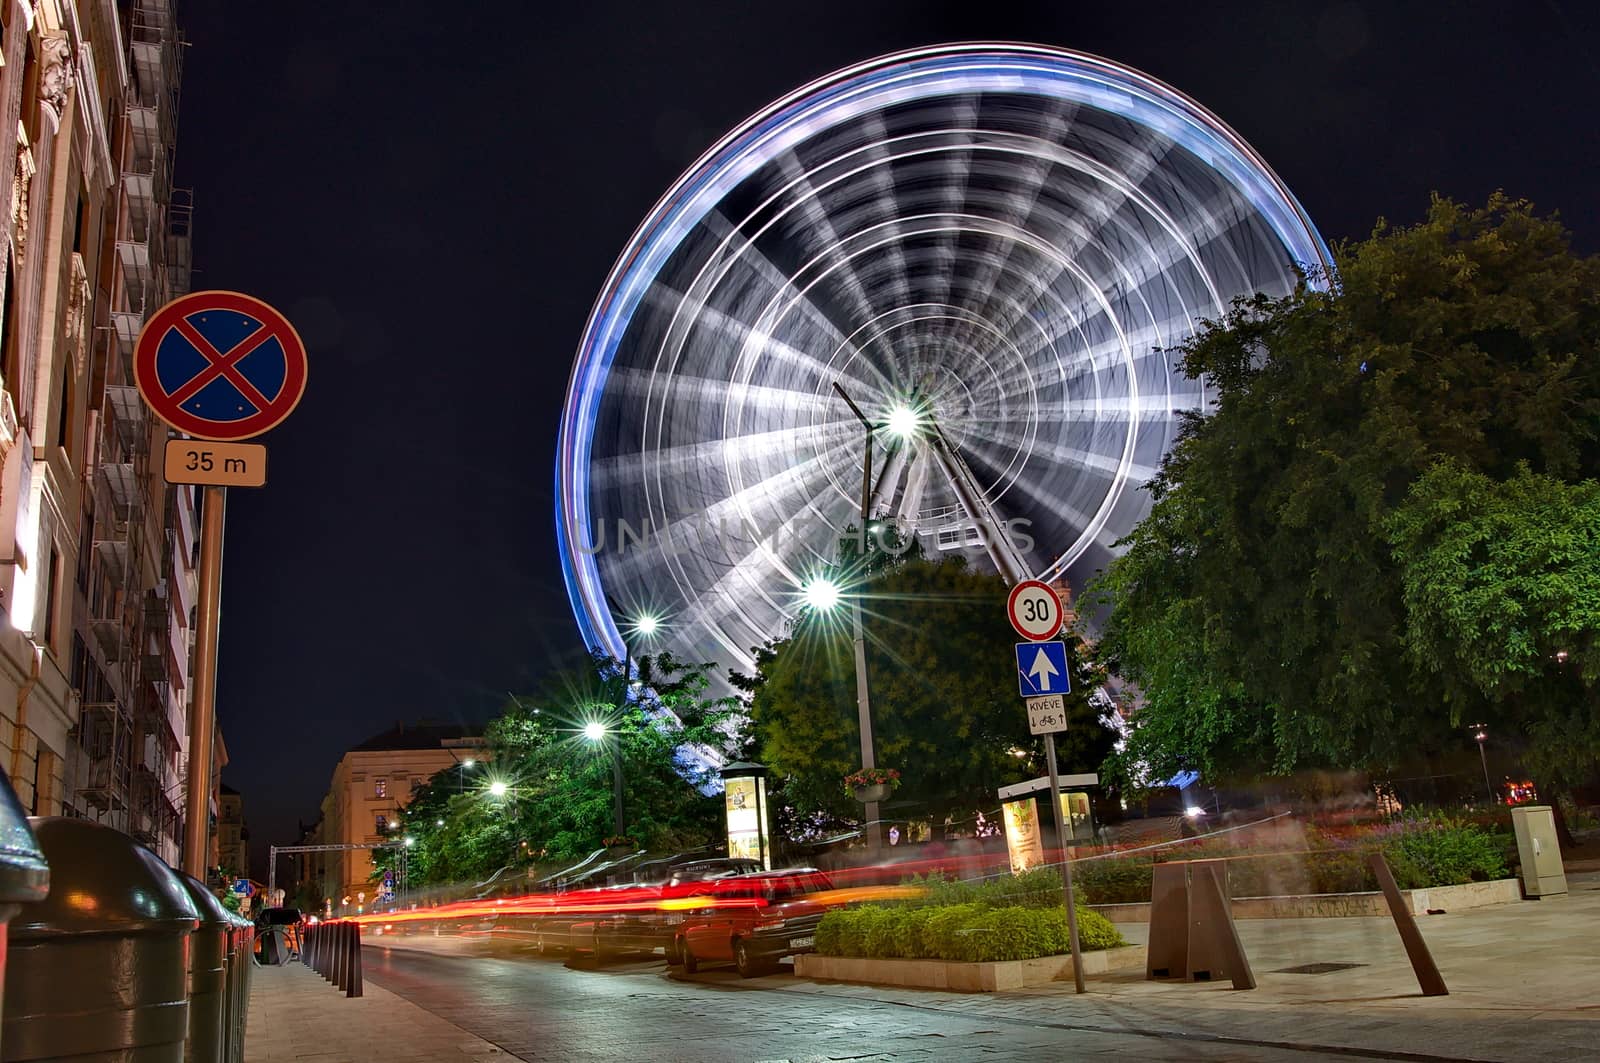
96, 551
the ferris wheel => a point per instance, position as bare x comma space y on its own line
981, 251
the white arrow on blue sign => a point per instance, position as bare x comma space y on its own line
1042, 668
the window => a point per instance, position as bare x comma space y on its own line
382, 788
77, 225
52, 578
64, 415
383, 824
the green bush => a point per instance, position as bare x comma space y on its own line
1123, 880
1444, 853
963, 932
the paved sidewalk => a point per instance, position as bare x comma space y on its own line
295, 1015
1522, 979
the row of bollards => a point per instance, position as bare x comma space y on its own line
333, 950
124, 959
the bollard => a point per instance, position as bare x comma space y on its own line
208, 976
246, 969
99, 969
230, 982
353, 978
24, 876
336, 975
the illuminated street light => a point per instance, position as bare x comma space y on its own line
594, 730
469, 762
438, 823
646, 625
410, 841
498, 788
903, 421
822, 594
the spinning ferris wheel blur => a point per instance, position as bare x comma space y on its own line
987, 248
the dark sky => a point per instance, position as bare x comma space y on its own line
435, 192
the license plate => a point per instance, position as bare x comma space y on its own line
802, 943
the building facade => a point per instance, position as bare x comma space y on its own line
362, 806
233, 835
97, 565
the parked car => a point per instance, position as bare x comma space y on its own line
646, 929
782, 922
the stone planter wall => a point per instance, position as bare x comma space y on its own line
964, 977
1334, 905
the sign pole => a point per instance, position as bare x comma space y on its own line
203, 715
1062, 824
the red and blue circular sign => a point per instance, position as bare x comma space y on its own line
220, 365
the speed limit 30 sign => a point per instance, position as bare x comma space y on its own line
1035, 610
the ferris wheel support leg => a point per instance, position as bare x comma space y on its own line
996, 541
894, 464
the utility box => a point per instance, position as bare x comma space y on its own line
1539, 850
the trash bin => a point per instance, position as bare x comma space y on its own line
24, 876
99, 969
208, 976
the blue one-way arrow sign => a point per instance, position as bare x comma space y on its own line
1042, 668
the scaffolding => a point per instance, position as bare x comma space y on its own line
128, 743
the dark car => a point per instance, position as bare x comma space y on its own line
758, 920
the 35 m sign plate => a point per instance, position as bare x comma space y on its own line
200, 461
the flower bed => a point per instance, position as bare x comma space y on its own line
1011, 918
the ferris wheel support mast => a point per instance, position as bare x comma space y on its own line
1002, 551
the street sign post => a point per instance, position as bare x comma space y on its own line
1047, 715
1035, 610
1042, 668
222, 367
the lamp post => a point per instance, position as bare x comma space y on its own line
1480, 734
461, 774
595, 731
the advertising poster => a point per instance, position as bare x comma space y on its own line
1022, 833
745, 799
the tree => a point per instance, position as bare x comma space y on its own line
945, 709
554, 801
1502, 591
1261, 606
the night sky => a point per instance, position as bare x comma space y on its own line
435, 192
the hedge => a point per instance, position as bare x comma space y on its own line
1423, 852
970, 932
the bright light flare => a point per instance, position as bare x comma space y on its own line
647, 625
594, 730
903, 421
1194, 811
498, 788
822, 594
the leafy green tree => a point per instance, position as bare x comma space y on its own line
1262, 607
1502, 592
557, 799
945, 710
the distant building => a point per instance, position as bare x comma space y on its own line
369, 785
233, 836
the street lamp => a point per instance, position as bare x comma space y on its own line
498, 788
595, 731
828, 593
1480, 734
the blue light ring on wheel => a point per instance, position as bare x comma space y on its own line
922, 74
